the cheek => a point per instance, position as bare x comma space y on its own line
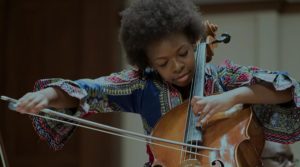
165, 75
191, 62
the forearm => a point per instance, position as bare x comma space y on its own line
59, 99
260, 94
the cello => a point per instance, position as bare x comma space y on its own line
235, 133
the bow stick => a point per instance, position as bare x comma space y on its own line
108, 129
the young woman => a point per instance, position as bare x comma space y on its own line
159, 37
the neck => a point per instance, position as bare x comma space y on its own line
185, 91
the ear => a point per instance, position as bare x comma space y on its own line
148, 69
150, 65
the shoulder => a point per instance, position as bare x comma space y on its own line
229, 65
127, 78
127, 75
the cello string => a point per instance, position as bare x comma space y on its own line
193, 92
193, 118
188, 109
200, 68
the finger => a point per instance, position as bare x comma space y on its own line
198, 107
199, 123
204, 112
39, 107
207, 117
33, 102
195, 99
214, 27
25, 99
196, 110
204, 120
32, 105
29, 103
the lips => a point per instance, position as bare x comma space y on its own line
183, 78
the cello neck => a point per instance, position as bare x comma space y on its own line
198, 81
192, 134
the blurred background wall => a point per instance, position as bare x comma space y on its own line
77, 39
56, 38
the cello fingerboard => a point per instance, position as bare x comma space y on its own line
193, 134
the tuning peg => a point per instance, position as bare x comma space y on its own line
225, 38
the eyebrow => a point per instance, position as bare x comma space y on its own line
162, 57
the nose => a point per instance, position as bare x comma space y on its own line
178, 66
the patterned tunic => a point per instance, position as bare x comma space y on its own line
150, 97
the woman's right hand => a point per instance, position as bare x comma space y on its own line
33, 102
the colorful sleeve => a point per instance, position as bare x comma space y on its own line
281, 122
117, 92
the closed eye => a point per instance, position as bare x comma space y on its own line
184, 53
163, 64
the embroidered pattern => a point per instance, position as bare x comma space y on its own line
174, 97
280, 124
163, 96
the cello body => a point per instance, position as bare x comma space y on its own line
239, 138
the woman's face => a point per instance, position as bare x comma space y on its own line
173, 58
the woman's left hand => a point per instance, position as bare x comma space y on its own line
207, 106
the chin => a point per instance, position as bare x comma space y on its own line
183, 84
